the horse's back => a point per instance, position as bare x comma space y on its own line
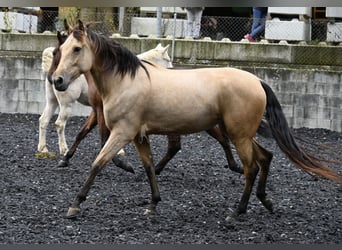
199, 98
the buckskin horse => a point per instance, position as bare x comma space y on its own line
141, 98
158, 55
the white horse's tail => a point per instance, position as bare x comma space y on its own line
47, 59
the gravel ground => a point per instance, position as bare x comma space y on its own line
197, 193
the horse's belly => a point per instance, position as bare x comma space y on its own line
186, 123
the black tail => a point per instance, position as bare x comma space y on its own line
285, 139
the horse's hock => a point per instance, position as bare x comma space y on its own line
306, 79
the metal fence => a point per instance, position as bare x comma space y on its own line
292, 30
215, 27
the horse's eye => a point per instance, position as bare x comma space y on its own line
77, 49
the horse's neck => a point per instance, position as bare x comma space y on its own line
100, 80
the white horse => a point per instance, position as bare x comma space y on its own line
78, 91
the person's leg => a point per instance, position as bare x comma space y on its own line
259, 19
190, 22
197, 22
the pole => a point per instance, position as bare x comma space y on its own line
174, 33
159, 21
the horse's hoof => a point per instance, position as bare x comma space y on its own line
62, 164
158, 170
234, 217
236, 168
268, 205
149, 211
73, 212
120, 162
45, 155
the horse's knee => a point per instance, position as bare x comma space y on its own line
59, 126
43, 122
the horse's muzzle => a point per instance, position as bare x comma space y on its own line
59, 83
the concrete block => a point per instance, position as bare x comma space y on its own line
22, 95
177, 10
336, 125
333, 12
287, 109
293, 30
23, 107
290, 10
18, 21
298, 122
334, 32
334, 89
32, 108
8, 20
310, 123
145, 26
30, 23
335, 102
34, 85
324, 123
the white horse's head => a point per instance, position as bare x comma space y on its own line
158, 55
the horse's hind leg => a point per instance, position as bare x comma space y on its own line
145, 153
218, 133
90, 123
246, 153
173, 146
264, 159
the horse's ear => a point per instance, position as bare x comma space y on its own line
80, 25
67, 27
159, 46
166, 48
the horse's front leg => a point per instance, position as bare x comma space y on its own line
44, 119
144, 150
115, 142
63, 116
87, 127
119, 158
173, 146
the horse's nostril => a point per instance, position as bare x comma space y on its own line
58, 81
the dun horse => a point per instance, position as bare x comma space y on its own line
157, 55
141, 98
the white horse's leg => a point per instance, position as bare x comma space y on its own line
49, 110
63, 116
66, 100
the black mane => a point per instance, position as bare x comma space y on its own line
112, 54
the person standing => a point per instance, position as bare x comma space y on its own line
194, 15
259, 21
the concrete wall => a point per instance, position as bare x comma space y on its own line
306, 79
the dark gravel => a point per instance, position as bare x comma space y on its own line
197, 192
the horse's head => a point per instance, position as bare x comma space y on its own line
158, 55
71, 58
164, 52
55, 54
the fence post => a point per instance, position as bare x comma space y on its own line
159, 21
121, 19
174, 33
